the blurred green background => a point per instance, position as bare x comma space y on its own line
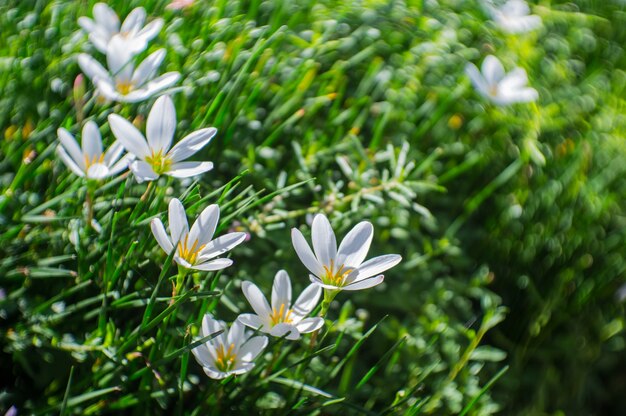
367, 101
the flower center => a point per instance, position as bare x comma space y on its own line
189, 254
280, 315
225, 358
124, 87
335, 278
160, 163
95, 159
493, 90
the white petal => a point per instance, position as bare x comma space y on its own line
515, 79
355, 245
310, 324
251, 320
188, 169
285, 330
211, 326
158, 230
377, 265
122, 164
492, 70
214, 373
318, 282
98, 171
365, 283
69, 162
305, 254
143, 171
236, 335
177, 217
204, 227
86, 24
323, 238
113, 153
242, 369
106, 17
134, 21
281, 291
164, 81
92, 141
213, 265
119, 59
129, 136
220, 245
252, 348
191, 144
307, 301
256, 299
477, 79
92, 68
100, 40
150, 30
161, 124
107, 89
201, 353
72, 148
148, 67
134, 96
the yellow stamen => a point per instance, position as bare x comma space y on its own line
160, 163
335, 278
124, 87
190, 254
279, 316
93, 161
225, 360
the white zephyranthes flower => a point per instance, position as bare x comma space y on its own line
514, 17
343, 268
501, 88
229, 353
195, 248
282, 319
89, 160
155, 156
132, 32
122, 82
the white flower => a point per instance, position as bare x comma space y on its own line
501, 88
122, 82
341, 269
195, 248
514, 17
89, 160
229, 353
106, 25
282, 319
156, 157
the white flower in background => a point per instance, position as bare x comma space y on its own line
156, 155
230, 353
179, 4
132, 32
282, 319
343, 268
514, 17
195, 248
503, 89
89, 160
122, 82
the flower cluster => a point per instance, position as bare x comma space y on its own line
491, 81
227, 350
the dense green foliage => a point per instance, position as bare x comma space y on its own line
504, 216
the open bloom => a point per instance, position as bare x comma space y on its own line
89, 160
342, 269
156, 156
105, 25
514, 17
503, 89
230, 353
282, 319
122, 82
195, 248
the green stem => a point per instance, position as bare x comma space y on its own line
180, 280
329, 296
